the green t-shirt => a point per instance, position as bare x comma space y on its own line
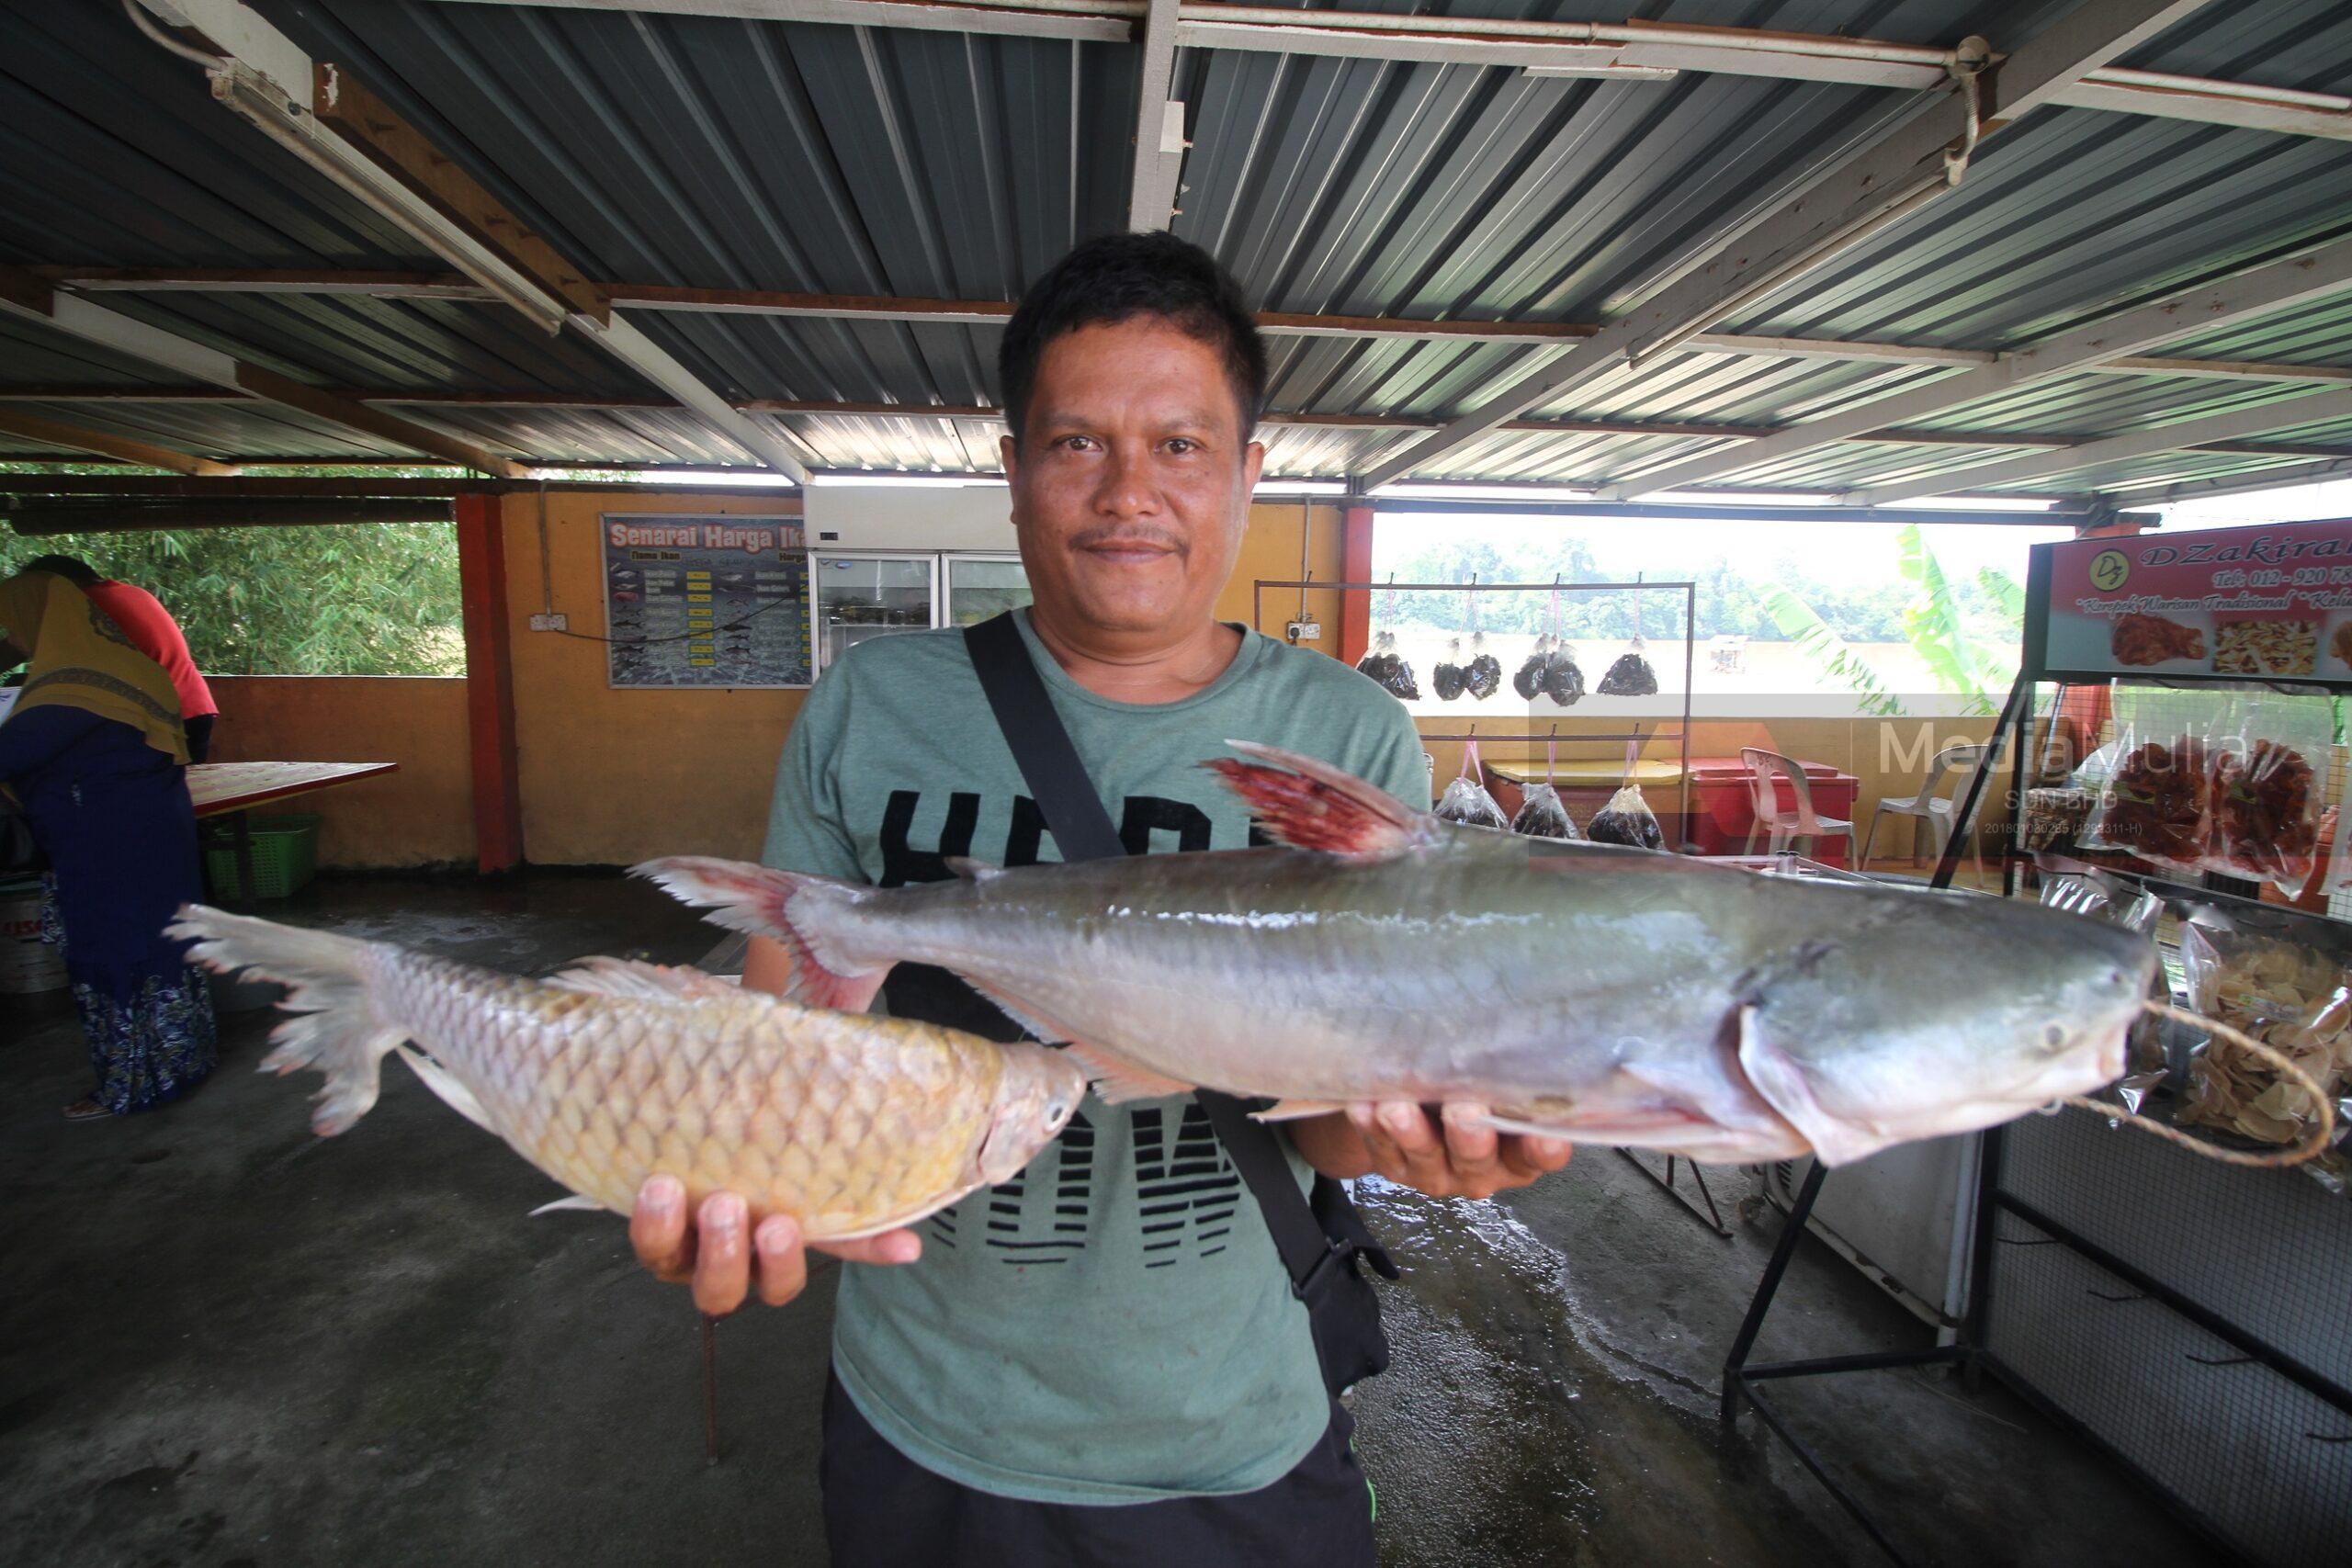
1113, 1324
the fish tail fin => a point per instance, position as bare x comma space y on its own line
790, 908
332, 1023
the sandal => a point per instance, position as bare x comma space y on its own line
86, 1110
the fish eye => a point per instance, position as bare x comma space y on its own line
2053, 1036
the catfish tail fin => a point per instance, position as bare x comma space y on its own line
332, 1023
791, 909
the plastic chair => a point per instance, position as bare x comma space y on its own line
1924, 807
1786, 825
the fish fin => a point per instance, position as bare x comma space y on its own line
1528, 1128
443, 1082
1292, 1110
972, 870
1775, 1075
577, 1200
331, 1023
1314, 805
788, 908
627, 977
1116, 1082
1113, 1080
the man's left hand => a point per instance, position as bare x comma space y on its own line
1454, 1154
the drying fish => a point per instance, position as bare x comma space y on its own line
617, 1071
1636, 999
1543, 815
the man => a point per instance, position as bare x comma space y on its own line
149, 627
1100, 1362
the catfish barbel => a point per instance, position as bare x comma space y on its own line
1608, 994
617, 1071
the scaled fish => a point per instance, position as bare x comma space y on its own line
1612, 996
617, 1071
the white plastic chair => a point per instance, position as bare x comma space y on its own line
1786, 824
1925, 809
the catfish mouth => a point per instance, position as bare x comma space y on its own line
2078, 1064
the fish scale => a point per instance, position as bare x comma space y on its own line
619, 1072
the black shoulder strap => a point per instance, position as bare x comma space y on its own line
1024, 710
1065, 795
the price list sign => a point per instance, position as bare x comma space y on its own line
706, 602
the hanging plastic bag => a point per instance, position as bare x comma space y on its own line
1627, 818
1562, 682
1528, 679
1465, 799
2268, 794
2292, 993
1631, 675
2158, 804
1541, 813
1449, 677
1483, 676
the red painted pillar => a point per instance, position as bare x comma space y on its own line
490, 682
1355, 566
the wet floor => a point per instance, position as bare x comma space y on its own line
224, 1342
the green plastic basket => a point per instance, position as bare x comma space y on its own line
284, 855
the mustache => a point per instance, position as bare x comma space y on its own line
1129, 538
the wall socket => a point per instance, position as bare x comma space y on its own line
550, 623
1305, 631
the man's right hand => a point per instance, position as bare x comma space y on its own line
722, 1263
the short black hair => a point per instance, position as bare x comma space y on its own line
72, 568
1116, 278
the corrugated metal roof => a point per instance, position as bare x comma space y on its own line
722, 153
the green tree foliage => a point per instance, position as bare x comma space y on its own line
1935, 620
364, 599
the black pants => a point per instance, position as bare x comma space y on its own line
883, 1511
200, 736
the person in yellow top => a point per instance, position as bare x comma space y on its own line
94, 754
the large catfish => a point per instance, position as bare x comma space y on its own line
1613, 996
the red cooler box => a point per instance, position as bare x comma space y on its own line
1722, 810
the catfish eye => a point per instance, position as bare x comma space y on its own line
2053, 1036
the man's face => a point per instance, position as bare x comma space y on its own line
1132, 485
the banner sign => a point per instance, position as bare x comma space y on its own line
2268, 602
706, 601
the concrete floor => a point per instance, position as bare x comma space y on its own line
225, 1342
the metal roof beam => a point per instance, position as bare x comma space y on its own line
1159, 124
2238, 424
1630, 49
2158, 492
122, 449
995, 312
1901, 172
372, 150
2259, 292
78, 318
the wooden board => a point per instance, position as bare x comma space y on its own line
219, 787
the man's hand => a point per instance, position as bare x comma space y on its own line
722, 1263
1453, 1156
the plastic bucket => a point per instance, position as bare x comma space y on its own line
27, 964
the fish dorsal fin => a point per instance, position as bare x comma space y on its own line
1314, 805
972, 870
635, 981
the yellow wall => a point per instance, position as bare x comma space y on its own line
422, 815
611, 777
